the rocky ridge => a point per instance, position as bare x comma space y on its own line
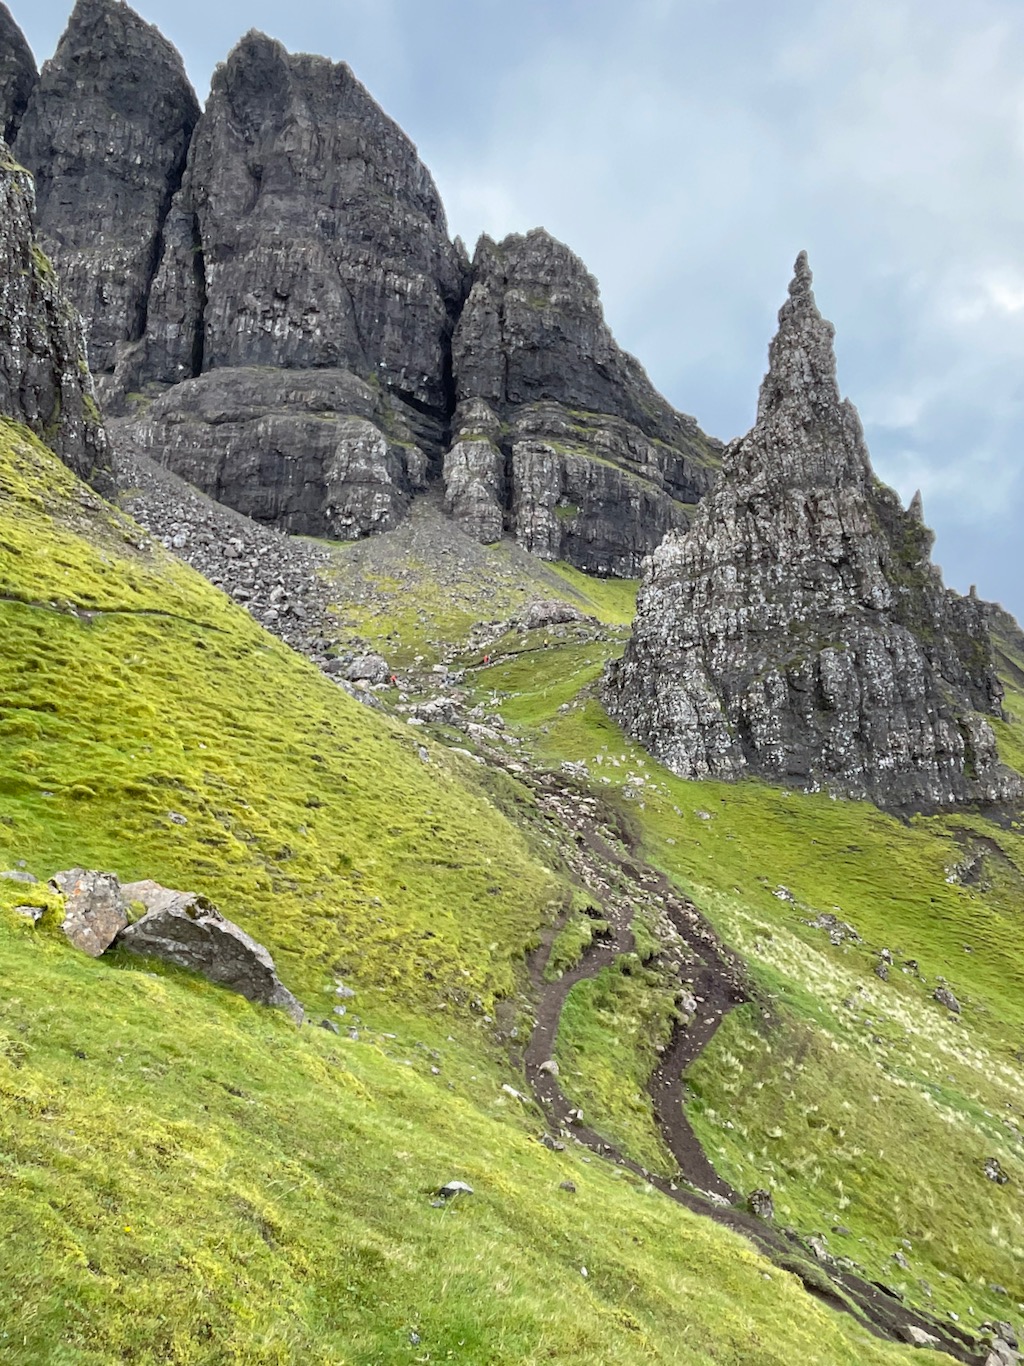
798, 631
44, 377
105, 135
558, 433
286, 253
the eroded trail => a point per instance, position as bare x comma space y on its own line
716, 982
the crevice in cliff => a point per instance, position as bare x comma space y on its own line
199, 280
156, 254
453, 307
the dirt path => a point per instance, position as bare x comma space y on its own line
718, 983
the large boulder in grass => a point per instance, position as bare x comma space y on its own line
95, 912
185, 929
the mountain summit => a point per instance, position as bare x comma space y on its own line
799, 630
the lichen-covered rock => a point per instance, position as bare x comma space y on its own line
567, 505
798, 630
475, 482
95, 910
44, 377
600, 465
185, 929
319, 233
302, 449
18, 75
106, 134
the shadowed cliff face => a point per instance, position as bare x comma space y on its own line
44, 379
559, 434
18, 75
303, 308
105, 134
322, 235
798, 630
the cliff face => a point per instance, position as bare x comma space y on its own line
105, 134
308, 240
798, 630
282, 262
559, 434
44, 378
322, 234
18, 75
304, 450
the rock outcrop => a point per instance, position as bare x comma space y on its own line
186, 930
106, 134
275, 311
44, 377
304, 450
307, 240
95, 912
18, 75
558, 434
322, 235
798, 630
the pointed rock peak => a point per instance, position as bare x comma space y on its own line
802, 278
805, 432
801, 358
915, 508
90, 16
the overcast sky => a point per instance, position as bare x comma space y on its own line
688, 149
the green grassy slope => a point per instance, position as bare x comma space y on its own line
187, 1178
864, 1105
134, 691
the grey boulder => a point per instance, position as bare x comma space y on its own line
368, 669
186, 930
946, 998
95, 912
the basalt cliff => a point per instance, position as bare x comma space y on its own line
798, 630
275, 309
44, 378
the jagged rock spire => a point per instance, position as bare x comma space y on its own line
798, 630
106, 134
804, 428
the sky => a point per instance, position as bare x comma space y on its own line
688, 149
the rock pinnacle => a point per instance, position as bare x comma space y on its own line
798, 630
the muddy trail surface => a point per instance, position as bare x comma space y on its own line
712, 982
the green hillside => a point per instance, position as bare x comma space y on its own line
188, 1178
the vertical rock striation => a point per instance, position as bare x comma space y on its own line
18, 75
597, 466
323, 236
106, 134
307, 237
44, 379
275, 311
798, 630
